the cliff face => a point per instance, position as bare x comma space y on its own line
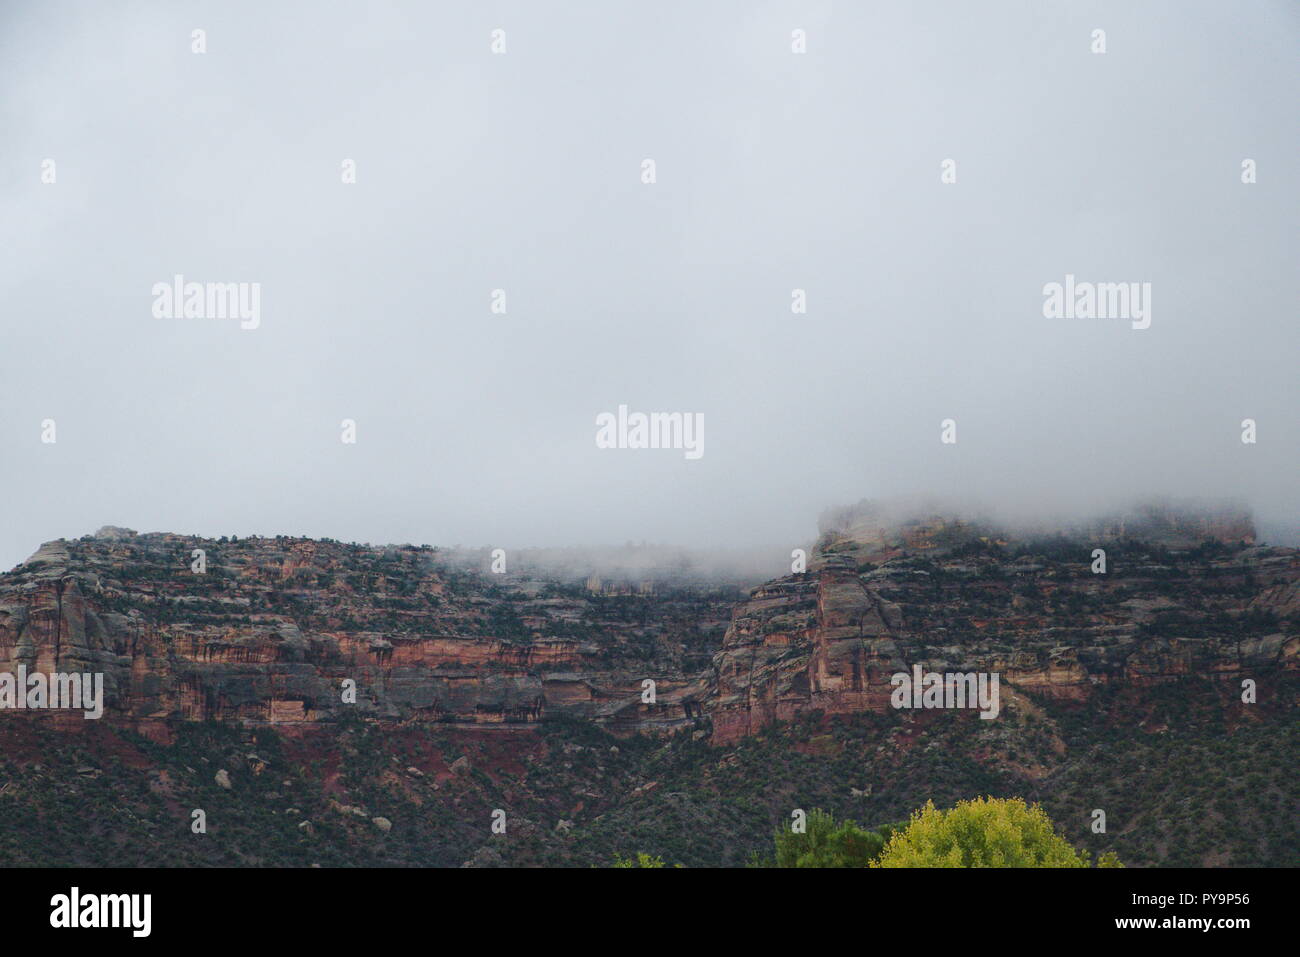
1119, 691
878, 599
821, 640
273, 628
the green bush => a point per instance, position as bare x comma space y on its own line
825, 842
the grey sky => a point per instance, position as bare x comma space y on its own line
522, 172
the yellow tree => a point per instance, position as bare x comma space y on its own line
985, 832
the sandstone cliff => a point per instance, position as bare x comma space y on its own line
879, 597
273, 628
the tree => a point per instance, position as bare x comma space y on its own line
642, 859
825, 842
985, 832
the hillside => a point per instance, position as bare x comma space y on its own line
479, 692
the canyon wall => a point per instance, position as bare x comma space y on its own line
274, 630
952, 596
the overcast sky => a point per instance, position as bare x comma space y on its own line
522, 171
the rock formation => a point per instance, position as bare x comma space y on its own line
954, 596
274, 630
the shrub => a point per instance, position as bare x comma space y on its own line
825, 842
642, 859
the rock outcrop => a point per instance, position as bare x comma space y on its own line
949, 595
292, 631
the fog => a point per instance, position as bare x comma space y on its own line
523, 172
